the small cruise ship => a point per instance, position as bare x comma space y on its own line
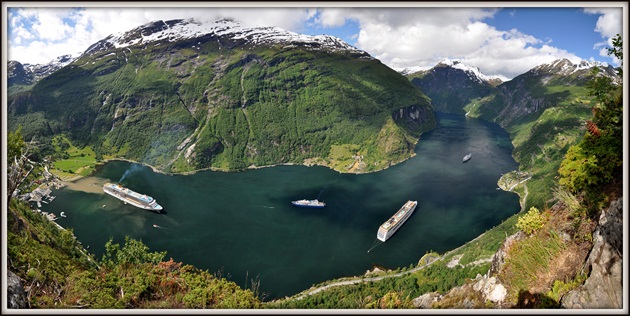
309, 203
467, 157
388, 228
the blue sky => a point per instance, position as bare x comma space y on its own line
503, 42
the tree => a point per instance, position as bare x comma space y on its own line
15, 144
617, 51
597, 161
133, 252
17, 162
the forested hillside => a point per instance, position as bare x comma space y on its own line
221, 101
544, 110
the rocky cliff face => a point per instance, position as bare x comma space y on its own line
545, 86
15, 292
604, 286
17, 74
603, 289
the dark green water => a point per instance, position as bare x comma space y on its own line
244, 223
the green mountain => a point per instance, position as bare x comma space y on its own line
183, 95
451, 85
544, 110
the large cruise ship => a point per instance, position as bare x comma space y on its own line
393, 224
134, 198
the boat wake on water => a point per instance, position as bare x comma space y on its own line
375, 244
158, 226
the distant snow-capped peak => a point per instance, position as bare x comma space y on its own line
177, 30
565, 66
473, 72
38, 71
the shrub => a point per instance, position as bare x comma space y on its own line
531, 221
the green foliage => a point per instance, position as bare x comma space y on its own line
529, 258
560, 288
245, 106
576, 169
617, 51
132, 252
597, 161
530, 222
570, 201
41, 254
59, 274
15, 144
395, 292
487, 244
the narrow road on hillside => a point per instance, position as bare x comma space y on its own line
430, 259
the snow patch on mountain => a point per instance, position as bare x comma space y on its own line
473, 72
566, 67
177, 30
410, 70
35, 72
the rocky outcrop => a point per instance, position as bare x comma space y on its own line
604, 287
491, 289
15, 292
498, 259
415, 118
426, 300
482, 292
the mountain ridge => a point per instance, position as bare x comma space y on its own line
230, 98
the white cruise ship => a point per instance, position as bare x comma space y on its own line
134, 198
388, 228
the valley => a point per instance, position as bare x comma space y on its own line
172, 105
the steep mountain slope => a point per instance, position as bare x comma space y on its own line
183, 95
452, 85
543, 86
544, 110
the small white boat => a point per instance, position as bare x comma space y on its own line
467, 157
62, 214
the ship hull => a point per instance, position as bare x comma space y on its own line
385, 231
308, 206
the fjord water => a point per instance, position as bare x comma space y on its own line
244, 225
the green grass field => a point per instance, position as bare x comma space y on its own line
79, 161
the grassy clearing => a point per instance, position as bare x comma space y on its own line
77, 161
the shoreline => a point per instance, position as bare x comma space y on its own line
77, 177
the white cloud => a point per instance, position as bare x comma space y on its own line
54, 33
421, 37
399, 37
609, 23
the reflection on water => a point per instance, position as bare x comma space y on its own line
244, 222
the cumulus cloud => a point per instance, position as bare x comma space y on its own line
59, 31
421, 37
609, 24
400, 37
